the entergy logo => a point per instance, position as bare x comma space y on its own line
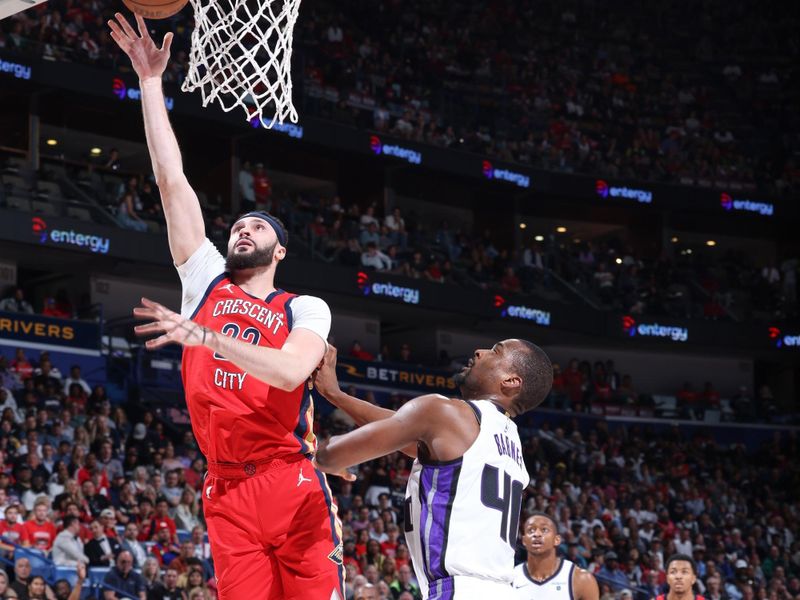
518, 179
604, 190
68, 237
387, 289
783, 341
535, 315
729, 203
632, 329
123, 92
406, 154
39, 228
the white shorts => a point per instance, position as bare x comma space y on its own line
461, 587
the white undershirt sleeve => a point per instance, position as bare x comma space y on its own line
310, 312
196, 275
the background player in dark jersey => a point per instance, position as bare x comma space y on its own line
465, 489
545, 575
249, 349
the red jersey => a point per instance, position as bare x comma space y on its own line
41, 536
15, 533
237, 418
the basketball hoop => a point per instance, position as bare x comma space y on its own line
241, 56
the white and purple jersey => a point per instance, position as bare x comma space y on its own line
462, 516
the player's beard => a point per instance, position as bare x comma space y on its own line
260, 257
462, 380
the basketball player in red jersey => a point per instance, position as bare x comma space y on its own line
249, 350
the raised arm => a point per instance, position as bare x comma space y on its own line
361, 411
185, 226
327, 384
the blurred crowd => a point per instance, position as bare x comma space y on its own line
85, 481
699, 95
624, 500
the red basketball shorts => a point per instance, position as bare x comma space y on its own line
274, 532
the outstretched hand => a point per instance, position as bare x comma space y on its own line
174, 328
148, 60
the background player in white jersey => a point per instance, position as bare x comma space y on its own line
545, 576
465, 489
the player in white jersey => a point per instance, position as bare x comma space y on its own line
545, 576
465, 490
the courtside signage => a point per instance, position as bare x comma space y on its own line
729, 203
18, 70
69, 237
519, 311
654, 330
406, 154
386, 289
123, 92
517, 179
604, 190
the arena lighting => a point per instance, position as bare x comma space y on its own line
618, 261
674, 240
522, 225
561, 229
688, 251
51, 142
711, 243
95, 151
539, 238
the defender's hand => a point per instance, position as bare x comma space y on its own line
148, 60
325, 380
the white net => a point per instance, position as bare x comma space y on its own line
241, 56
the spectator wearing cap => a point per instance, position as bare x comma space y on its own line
164, 549
101, 549
610, 572
122, 577
68, 547
108, 519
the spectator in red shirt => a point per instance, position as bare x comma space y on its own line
40, 532
573, 381
108, 520
164, 549
356, 351
52, 309
12, 529
21, 365
161, 516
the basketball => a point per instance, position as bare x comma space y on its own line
155, 9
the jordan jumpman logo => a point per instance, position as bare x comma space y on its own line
301, 479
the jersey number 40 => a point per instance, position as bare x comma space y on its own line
509, 504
